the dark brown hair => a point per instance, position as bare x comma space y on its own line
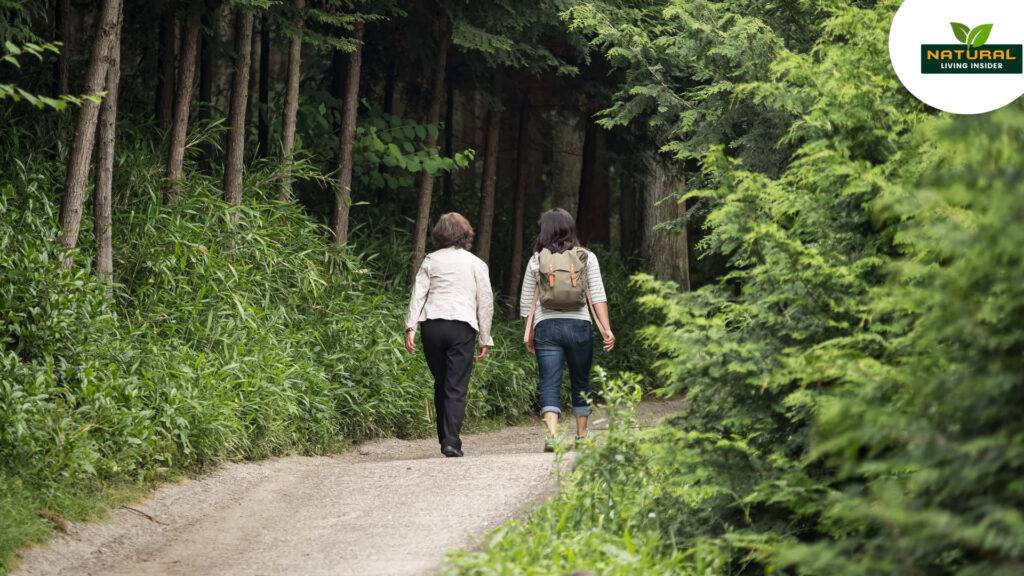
452, 229
557, 232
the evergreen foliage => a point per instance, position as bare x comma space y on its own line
854, 382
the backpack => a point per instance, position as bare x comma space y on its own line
562, 279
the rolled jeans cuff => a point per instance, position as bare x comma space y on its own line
547, 409
582, 410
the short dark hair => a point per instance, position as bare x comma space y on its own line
452, 229
557, 232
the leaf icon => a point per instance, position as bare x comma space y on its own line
961, 31
979, 36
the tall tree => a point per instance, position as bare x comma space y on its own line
593, 218
343, 183
426, 178
567, 159
85, 132
164, 106
665, 243
263, 110
252, 111
527, 159
183, 101
103, 192
62, 31
233, 166
485, 224
291, 100
207, 70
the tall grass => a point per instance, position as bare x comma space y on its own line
221, 341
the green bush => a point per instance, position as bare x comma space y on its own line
854, 384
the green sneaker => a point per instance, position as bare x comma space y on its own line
550, 443
587, 438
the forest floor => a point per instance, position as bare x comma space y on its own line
385, 507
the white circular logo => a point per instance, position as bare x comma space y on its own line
961, 57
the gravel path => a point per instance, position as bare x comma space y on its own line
385, 507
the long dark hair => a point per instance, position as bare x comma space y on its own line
557, 232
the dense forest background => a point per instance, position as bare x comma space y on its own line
210, 261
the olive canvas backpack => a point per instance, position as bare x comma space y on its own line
562, 279
562, 286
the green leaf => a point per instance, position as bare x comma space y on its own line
978, 36
12, 60
10, 47
432, 129
421, 132
961, 31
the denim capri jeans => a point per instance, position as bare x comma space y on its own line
559, 342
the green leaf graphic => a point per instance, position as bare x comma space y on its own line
979, 36
961, 31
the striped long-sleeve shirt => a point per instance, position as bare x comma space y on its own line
526, 295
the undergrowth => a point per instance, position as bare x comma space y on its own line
855, 382
220, 341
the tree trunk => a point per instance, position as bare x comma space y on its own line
207, 74
165, 67
239, 99
291, 102
85, 132
525, 166
665, 251
103, 192
594, 213
427, 179
343, 186
62, 31
183, 101
252, 104
263, 129
567, 161
630, 215
485, 225
449, 141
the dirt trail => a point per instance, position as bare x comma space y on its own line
385, 507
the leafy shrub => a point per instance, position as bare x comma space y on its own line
854, 383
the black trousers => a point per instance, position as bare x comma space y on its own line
449, 346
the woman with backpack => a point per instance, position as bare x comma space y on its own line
452, 304
561, 279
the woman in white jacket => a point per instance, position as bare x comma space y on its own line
452, 304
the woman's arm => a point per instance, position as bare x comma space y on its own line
600, 301
416, 303
484, 307
526, 296
601, 309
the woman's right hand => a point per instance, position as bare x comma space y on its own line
410, 341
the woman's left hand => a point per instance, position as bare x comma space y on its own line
410, 341
609, 341
481, 354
